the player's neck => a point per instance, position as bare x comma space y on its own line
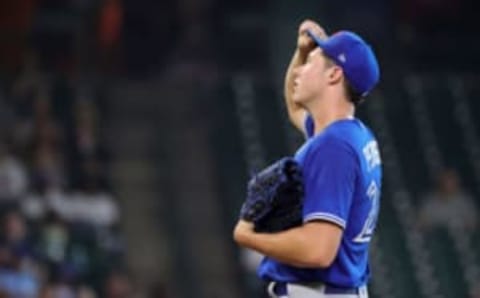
330, 111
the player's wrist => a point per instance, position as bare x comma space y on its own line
242, 230
301, 54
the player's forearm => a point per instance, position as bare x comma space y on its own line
293, 108
293, 247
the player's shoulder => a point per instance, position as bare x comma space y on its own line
346, 136
351, 131
332, 139
348, 127
345, 130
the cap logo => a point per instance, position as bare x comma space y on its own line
342, 58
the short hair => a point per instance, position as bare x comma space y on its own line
352, 95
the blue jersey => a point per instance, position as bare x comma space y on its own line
342, 175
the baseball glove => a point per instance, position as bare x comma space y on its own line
274, 197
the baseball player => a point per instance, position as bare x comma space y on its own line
327, 255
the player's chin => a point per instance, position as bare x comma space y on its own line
298, 98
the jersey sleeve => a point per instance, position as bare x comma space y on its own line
329, 173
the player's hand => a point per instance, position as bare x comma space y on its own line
304, 43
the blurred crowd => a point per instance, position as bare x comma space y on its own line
59, 233
59, 219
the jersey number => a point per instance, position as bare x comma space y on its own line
373, 193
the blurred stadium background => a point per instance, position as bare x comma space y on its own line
128, 129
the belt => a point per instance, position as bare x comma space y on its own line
280, 289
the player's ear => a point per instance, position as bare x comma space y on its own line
335, 75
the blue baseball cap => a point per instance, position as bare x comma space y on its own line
354, 56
